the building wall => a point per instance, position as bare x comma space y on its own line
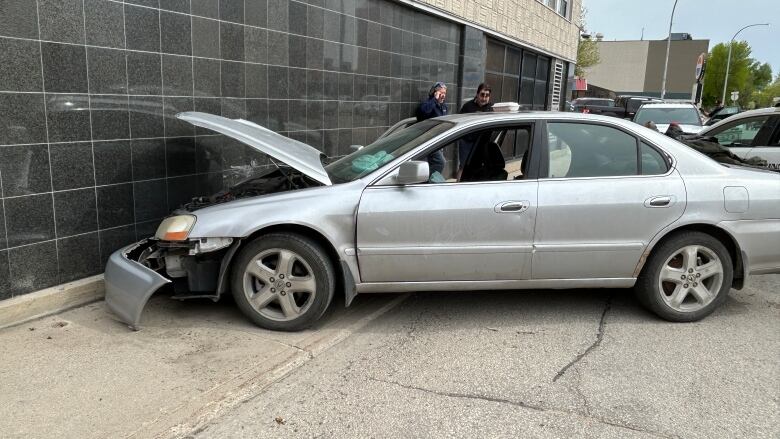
91, 157
680, 75
622, 65
528, 21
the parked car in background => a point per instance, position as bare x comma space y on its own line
663, 114
581, 105
623, 107
721, 114
754, 133
599, 202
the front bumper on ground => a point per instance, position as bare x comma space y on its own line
129, 285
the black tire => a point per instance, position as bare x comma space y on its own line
660, 297
309, 258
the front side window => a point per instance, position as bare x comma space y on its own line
585, 150
740, 133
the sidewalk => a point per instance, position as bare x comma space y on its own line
83, 374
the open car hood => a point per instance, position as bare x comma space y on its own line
297, 155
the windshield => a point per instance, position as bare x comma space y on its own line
685, 116
373, 156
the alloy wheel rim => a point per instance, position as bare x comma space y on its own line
690, 278
279, 284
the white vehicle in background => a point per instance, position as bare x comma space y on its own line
754, 133
663, 114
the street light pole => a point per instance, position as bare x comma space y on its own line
728, 61
668, 43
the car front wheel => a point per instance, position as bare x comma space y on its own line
283, 281
686, 277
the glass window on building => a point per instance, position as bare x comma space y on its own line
517, 75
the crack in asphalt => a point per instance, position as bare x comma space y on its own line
594, 345
524, 405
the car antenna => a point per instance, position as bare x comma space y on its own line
285, 174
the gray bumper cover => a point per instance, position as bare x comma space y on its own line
129, 285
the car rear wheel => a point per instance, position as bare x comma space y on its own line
686, 277
283, 281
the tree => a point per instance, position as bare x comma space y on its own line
761, 75
765, 97
587, 56
739, 73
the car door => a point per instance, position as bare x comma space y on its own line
605, 194
450, 231
747, 136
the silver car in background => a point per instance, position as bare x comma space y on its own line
663, 114
542, 200
754, 133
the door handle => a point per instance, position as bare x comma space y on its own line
512, 207
659, 201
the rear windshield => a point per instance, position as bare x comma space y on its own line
685, 116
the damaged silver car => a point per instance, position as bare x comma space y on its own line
523, 200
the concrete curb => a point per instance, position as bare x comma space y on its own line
50, 301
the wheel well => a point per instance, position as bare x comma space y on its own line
311, 234
721, 235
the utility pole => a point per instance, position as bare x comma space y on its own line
668, 43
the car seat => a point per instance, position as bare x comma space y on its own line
486, 162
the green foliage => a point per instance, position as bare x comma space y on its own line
746, 75
587, 56
765, 96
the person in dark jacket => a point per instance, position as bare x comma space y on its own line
480, 103
434, 106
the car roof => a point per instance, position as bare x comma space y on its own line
742, 115
667, 105
469, 118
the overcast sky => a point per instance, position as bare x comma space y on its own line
715, 20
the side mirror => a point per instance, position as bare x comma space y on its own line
413, 172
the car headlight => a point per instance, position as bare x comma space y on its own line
175, 228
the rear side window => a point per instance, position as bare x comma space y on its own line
585, 150
652, 162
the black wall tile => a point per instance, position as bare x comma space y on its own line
176, 5
61, 20
114, 239
113, 162
104, 21
208, 154
176, 31
255, 45
29, 219
278, 47
33, 267
110, 117
207, 77
315, 22
149, 3
234, 108
257, 112
182, 190
173, 126
24, 169
18, 19
297, 83
297, 51
146, 117
146, 229
231, 10
107, 70
205, 37
64, 68
231, 40
296, 18
256, 12
115, 205
232, 79
143, 73
68, 117
20, 65
180, 156
79, 257
297, 115
205, 8
148, 159
315, 115
177, 75
314, 54
5, 276
3, 242
277, 15
278, 114
278, 83
150, 200
75, 211
314, 84
71, 165
256, 81
142, 28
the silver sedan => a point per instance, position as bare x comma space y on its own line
522, 200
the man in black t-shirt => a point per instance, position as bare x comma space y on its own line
480, 103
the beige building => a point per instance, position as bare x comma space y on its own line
637, 67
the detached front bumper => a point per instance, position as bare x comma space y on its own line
129, 284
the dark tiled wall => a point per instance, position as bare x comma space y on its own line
91, 156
